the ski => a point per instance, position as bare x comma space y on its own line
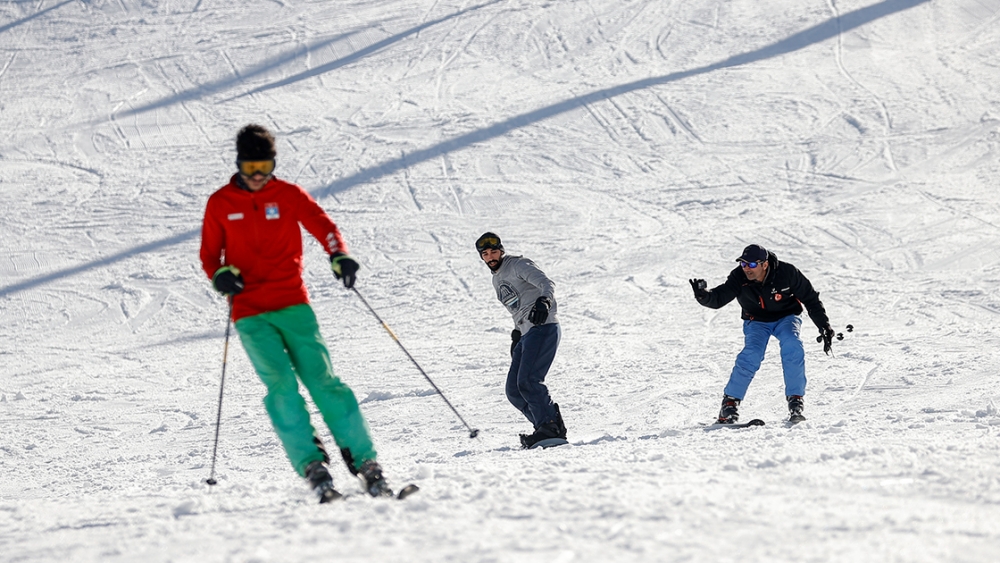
407, 491
795, 419
754, 422
331, 495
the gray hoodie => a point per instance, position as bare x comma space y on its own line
518, 284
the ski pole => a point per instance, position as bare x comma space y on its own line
218, 419
472, 432
840, 336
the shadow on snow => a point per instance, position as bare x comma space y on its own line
263, 68
38, 14
816, 34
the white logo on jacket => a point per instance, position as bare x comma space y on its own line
508, 296
234, 216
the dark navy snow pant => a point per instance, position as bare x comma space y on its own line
793, 356
529, 365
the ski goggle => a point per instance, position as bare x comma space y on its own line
488, 242
750, 265
250, 167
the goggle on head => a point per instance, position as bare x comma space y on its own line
485, 243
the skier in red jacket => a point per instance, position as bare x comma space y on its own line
251, 248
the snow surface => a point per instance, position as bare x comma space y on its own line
625, 146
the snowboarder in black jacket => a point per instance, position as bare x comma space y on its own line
772, 295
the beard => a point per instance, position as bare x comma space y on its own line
494, 265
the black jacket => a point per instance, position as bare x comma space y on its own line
783, 292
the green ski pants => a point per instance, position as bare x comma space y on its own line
287, 343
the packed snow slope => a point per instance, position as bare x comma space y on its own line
624, 145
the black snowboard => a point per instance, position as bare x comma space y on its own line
548, 443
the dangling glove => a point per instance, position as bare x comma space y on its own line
515, 337
826, 337
227, 280
540, 312
344, 267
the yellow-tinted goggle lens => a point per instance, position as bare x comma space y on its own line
487, 242
250, 167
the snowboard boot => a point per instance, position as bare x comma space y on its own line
544, 431
559, 422
795, 405
729, 414
321, 482
372, 479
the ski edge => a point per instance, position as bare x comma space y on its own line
754, 422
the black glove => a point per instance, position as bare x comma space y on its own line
826, 337
515, 337
540, 311
344, 267
227, 280
699, 287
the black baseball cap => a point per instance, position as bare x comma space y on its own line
753, 253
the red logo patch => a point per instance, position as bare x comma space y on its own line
777, 297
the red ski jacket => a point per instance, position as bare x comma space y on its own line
258, 232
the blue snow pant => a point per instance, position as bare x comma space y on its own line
530, 363
793, 356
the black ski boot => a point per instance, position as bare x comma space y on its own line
795, 405
374, 482
729, 414
321, 482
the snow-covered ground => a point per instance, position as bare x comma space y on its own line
625, 146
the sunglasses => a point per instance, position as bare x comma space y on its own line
751, 265
249, 168
488, 242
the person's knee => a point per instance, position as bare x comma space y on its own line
749, 361
517, 400
281, 386
527, 385
793, 352
513, 392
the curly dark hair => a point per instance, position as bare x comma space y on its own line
254, 142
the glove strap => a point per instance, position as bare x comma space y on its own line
220, 271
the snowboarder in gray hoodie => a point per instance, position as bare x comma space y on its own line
529, 296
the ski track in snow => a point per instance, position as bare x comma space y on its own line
858, 140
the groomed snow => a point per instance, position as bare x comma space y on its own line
625, 146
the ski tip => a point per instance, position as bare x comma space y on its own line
407, 491
756, 422
329, 495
